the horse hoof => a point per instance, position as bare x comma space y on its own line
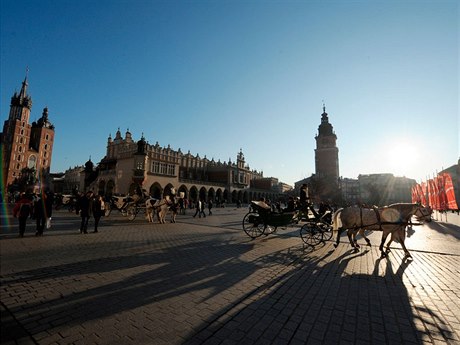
335, 245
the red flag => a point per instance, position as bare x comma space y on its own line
414, 194
450, 193
436, 200
423, 194
441, 192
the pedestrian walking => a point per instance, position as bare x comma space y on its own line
210, 207
98, 207
203, 207
22, 210
85, 211
41, 211
199, 209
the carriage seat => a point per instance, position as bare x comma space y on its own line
261, 205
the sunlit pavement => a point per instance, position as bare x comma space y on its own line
203, 281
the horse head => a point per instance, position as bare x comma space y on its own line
423, 213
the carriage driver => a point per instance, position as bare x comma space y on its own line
304, 197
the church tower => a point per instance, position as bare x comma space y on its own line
25, 145
326, 152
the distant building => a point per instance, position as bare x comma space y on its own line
384, 189
350, 191
26, 148
159, 170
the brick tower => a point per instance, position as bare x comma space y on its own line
326, 152
24, 145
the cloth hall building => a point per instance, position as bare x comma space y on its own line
129, 164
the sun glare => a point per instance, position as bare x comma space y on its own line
401, 157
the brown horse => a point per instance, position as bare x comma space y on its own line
391, 219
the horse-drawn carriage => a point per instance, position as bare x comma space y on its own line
261, 220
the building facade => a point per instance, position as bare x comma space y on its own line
130, 164
384, 189
26, 148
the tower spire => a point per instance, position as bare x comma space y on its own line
23, 93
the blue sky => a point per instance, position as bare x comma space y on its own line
214, 77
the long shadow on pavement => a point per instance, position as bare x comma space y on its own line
322, 302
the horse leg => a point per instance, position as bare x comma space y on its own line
402, 236
360, 232
368, 241
337, 241
388, 244
352, 238
384, 238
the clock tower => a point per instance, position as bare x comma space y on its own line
326, 152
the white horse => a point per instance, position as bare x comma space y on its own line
150, 209
162, 208
391, 219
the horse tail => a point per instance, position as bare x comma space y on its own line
337, 225
336, 219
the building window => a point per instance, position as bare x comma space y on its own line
46, 146
156, 167
46, 137
19, 157
171, 169
32, 162
20, 148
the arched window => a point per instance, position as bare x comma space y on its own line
31, 163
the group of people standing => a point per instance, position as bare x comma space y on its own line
37, 206
87, 205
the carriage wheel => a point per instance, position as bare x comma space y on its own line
131, 212
253, 225
327, 232
311, 234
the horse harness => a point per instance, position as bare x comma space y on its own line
379, 220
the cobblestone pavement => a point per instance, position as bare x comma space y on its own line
203, 281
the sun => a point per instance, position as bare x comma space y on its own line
402, 156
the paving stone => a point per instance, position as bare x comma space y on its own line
206, 283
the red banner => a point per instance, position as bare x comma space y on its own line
451, 203
415, 198
422, 193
